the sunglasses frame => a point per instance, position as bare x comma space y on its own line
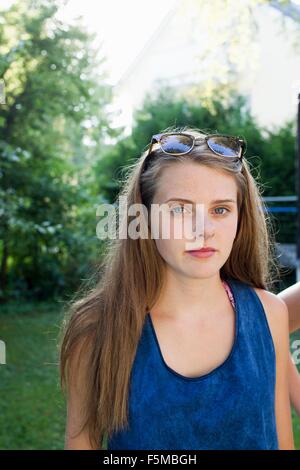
197, 141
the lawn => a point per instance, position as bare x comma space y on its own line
32, 405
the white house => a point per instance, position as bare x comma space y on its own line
177, 53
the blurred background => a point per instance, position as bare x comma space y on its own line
83, 86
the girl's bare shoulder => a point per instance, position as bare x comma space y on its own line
277, 314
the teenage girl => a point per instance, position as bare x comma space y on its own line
178, 348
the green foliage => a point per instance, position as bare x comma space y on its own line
50, 131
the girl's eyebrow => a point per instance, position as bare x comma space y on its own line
216, 201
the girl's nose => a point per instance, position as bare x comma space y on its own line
203, 225
209, 226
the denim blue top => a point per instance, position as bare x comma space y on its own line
231, 407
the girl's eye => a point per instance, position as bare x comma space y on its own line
179, 210
222, 208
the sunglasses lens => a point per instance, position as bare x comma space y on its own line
176, 143
225, 145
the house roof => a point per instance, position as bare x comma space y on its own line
290, 10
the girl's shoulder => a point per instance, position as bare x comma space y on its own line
276, 313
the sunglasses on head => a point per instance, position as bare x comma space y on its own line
181, 143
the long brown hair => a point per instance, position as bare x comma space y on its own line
105, 324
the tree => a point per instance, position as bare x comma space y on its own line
54, 117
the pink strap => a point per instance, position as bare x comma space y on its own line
230, 295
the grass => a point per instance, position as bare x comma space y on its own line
32, 405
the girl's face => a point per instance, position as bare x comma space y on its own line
197, 184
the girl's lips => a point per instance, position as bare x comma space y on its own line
202, 253
204, 249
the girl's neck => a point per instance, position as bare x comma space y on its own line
191, 297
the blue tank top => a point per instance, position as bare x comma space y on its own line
231, 407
